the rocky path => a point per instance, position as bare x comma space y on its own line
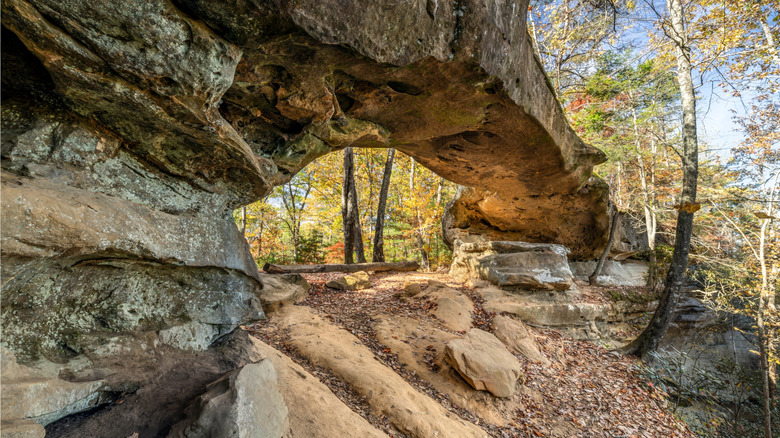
382, 353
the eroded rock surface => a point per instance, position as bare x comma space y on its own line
517, 338
132, 129
518, 265
484, 362
453, 308
613, 273
245, 403
313, 409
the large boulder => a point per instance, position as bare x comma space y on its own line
613, 273
484, 362
518, 265
279, 290
246, 403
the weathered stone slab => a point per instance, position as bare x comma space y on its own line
545, 309
514, 264
44, 218
484, 362
314, 410
246, 403
613, 273
30, 394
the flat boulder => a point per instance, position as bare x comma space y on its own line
484, 362
613, 273
357, 281
245, 403
412, 289
279, 290
517, 265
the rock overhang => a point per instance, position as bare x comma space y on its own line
236, 99
151, 120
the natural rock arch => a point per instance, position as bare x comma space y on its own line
131, 130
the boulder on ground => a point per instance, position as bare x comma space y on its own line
515, 264
245, 403
279, 290
409, 291
517, 338
357, 281
484, 362
412, 289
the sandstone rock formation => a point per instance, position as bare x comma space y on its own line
357, 281
411, 412
314, 411
132, 129
517, 265
453, 308
484, 362
613, 273
246, 403
517, 338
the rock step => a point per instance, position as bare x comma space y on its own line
546, 309
30, 394
313, 409
613, 273
387, 393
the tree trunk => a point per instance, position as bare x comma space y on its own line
767, 381
426, 263
650, 217
762, 338
354, 267
612, 231
379, 240
649, 339
347, 205
357, 230
243, 221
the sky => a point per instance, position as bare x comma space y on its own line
716, 120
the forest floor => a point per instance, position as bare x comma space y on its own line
584, 390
